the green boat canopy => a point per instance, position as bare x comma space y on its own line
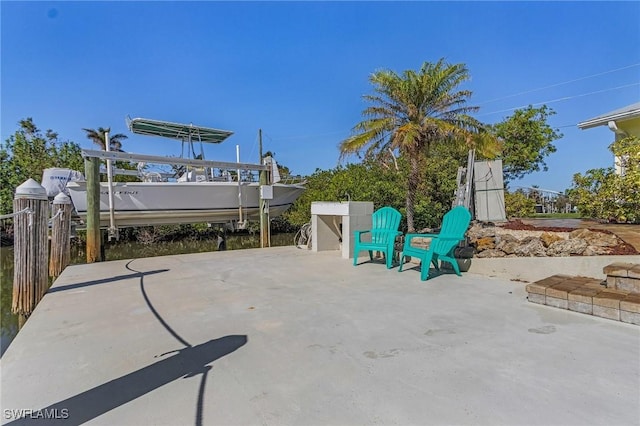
183, 132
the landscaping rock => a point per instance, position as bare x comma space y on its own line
478, 231
485, 243
573, 246
596, 251
508, 244
531, 247
592, 238
549, 238
516, 239
491, 253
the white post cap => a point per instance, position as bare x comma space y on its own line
62, 198
31, 189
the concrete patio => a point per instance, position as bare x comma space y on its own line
284, 336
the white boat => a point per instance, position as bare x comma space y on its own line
195, 197
159, 203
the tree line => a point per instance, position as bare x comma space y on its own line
416, 131
29, 151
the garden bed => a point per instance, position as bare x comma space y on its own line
517, 239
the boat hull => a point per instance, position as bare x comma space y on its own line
159, 203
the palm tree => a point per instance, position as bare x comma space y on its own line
98, 138
409, 113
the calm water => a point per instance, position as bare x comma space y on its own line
9, 324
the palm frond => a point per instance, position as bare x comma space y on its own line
414, 109
98, 137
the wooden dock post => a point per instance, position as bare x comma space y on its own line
94, 240
60, 235
31, 247
265, 229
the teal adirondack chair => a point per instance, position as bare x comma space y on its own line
384, 229
454, 226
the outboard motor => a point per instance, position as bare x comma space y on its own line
55, 180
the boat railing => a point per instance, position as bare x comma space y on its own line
215, 171
226, 170
293, 180
213, 175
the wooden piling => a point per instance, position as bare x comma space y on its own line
265, 229
60, 255
31, 246
92, 173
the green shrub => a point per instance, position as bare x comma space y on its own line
603, 194
517, 204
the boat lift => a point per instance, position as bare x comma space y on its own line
186, 133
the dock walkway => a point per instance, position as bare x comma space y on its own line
284, 336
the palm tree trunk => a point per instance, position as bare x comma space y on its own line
412, 188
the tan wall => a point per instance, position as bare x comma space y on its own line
632, 127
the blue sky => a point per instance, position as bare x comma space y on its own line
298, 70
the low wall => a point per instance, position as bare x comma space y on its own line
532, 269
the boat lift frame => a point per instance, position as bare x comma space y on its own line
127, 156
132, 157
183, 132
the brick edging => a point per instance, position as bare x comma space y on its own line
588, 296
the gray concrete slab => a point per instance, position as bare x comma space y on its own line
290, 337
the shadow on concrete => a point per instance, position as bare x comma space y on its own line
433, 272
92, 403
155, 312
187, 362
105, 280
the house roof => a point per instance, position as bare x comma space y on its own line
621, 114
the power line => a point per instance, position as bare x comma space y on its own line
565, 98
508, 97
559, 84
311, 136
